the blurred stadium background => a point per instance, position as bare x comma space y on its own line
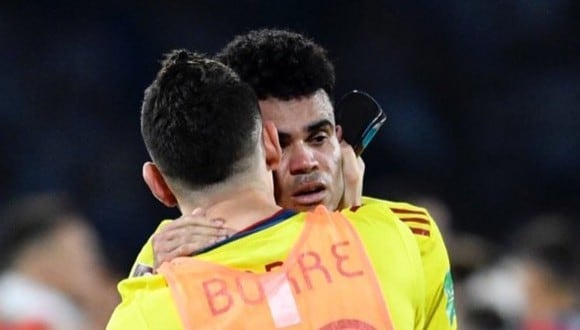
482, 98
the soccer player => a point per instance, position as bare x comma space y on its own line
294, 81
358, 269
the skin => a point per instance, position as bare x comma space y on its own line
310, 171
315, 168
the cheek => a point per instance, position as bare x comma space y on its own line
332, 161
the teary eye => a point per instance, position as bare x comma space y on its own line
318, 138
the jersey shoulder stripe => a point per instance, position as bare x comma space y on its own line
415, 217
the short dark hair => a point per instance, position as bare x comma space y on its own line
279, 63
199, 121
31, 218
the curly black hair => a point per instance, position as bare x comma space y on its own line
279, 63
199, 120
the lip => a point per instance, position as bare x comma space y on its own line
305, 195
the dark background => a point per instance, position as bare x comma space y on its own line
482, 97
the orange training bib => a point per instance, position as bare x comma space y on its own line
326, 283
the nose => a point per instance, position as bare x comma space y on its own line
302, 159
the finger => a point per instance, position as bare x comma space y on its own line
170, 240
353, 172
199, 235
228, 231
172, 251
184, 250
345, 146
361, 165
163, 244
198, 211
347, 151
352, 165
193, 221
166, 250
171, 235
173, 240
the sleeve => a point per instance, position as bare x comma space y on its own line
146, 304
439, 283
420, 287
127, 315
439, 299
391, 246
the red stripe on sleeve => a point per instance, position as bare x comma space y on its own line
405, 211
419, 231
416, 220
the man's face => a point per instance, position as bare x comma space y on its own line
310, 171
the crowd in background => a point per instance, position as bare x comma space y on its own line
483, 125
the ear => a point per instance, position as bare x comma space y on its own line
338, 132
271, 145
157, 184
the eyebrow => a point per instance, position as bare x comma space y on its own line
319, 125
314, 127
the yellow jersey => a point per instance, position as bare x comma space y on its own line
147, 302
439, 295
439, 299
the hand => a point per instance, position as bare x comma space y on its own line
353, 169
186, 235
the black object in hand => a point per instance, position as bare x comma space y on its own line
361, 117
